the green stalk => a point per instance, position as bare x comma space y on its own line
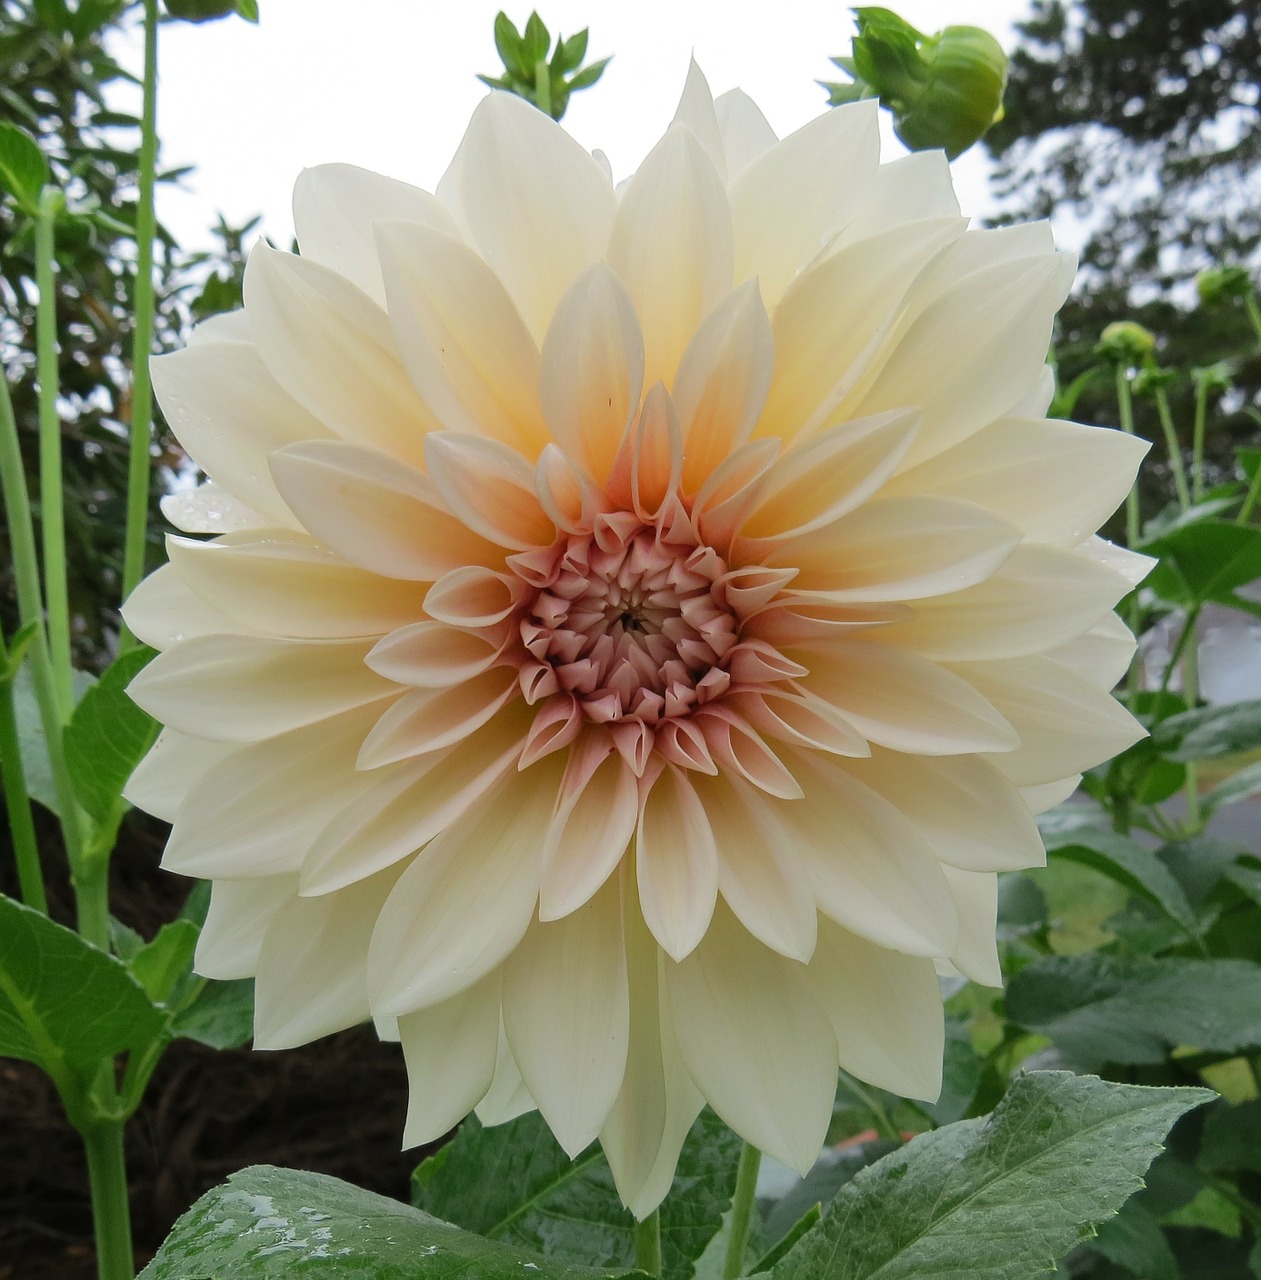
31, 611
52, 519
1254, 314
543, 86
648, 1244
111, 1213
1197, 439
1174, 449
17, 802
1191, 692
742, 1211
142, 337
1125, 407
1250, 501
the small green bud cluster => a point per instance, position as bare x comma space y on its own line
944, 90
528, 71
1217, 285
1126, 342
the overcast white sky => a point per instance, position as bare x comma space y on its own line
389, 85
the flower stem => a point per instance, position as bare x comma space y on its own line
1175, 449
17, 802
51, 501
1254, 314
543, 87
111, 1213
742, 1211
1191, 692
142, 336
1250, 500
1125, 407
1197, 439
648, 1244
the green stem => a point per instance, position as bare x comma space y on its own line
1133, 527
52, 519
1188, 629
91, 897
648, 1244
111, 1213
742, 1211
1254, 314
1197, 439
31, 611
17, 802
1250, 500
543, 86
1191, 692
142, 337
1174, 448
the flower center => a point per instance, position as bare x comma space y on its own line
632, 624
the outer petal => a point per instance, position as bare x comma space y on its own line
232, 934
746, 133
976, 900
164, 611
696, 111
172, 767
210, 508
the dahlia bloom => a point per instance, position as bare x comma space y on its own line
639, 623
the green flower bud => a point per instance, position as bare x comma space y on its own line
1213, 377
1126, 342
944, 90
1151, 378
1218, 284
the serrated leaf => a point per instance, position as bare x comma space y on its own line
1101, 1008
999, 1199
273, 1224
64, 1004
819, 1187
222, 1016
23, 170
514, 1183
107, 736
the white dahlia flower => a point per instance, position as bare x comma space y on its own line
639, 623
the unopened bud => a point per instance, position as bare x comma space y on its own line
1151, 378
1126, 342
1218, 284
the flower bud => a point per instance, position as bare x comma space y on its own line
1126, 342
1213, 377
1152, 378
1218, 284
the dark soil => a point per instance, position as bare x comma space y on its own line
334, 1107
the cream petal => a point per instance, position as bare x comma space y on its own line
402, 809
746, 133
284, 793
759, 879
507, 1097
722, 382
966, 811
286, 585
592, 371
232, 934
163, 610
210, 508
227, 326
905, 702
1131, 565
976, 900
464, 904
755, 1040
899, 549
789, 202
432, 719
676, 863
311, 978
1047, 795
868, 866
538, 206
330, 347
1040, 598
829, 475
1055, 481
885, 1008
376, 512
450, 1051
465, 348
229, 413
907, 189
334, 208
567, 1014
473, 597
173, 765
696, 111
972, 353
1066, 723
245, 688
1102, 655
1037, 401
431, 655
800, 718
671, 245
647, 469
490, 488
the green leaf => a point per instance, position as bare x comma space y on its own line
1239, 786
248, 9
807, 1222
1209, 732
1247, 880
820, 1185
514, 1183
535, 42
1231, 1142
278, 1224
164, 965
64, 1004
23, 169
222, 1016
508, 45
589, 75
996, 1199
1134, 1240
107, 736
1204, 561
1133, 1010
570, 53
35, 765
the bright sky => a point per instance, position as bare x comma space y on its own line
389, 85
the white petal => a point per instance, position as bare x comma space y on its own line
173, 765
905, 190
567, 1015
671, 245
538, 206
756, 1042
163, 610
976, 900
232, 935
466, 901
459, 336
696, 110
210, 508
450, 1053
792, 199
1102, 655
507, 1097
746, 134
334, 208
885, 1009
